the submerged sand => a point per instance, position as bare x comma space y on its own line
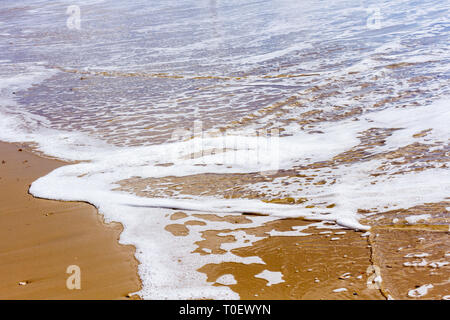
40, 238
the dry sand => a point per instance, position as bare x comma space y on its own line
40, 238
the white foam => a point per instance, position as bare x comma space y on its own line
420, 292
272, 277
242, 240
422, 263
417, 255
226, 280
294, 233
438, 264
417, 218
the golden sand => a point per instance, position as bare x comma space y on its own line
39, 239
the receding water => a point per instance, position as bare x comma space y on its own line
348, 98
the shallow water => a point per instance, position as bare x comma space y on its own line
334, 111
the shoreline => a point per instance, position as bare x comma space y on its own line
41, 238
33, 266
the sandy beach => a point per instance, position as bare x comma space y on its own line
41, 238
224, 150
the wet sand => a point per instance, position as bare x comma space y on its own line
387, 264
413, 254
312, 266
40, 238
